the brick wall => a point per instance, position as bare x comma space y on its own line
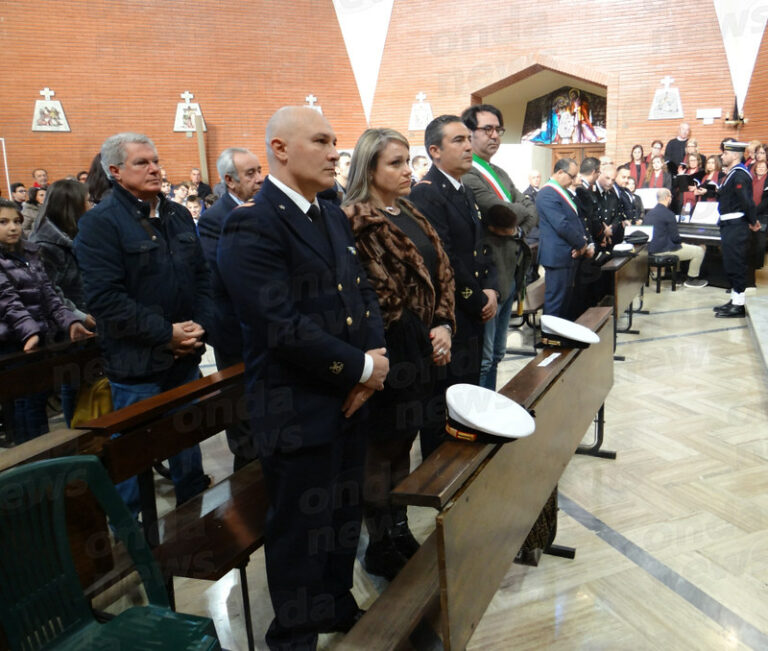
755, 105
451, 49
121, 64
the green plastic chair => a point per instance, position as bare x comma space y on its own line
42, 605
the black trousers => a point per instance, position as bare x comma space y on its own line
311, 536
466, 355
734, 237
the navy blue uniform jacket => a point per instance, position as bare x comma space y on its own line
735, 194
456, 219
307, 315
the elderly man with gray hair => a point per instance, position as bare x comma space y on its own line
146, 283
240, 171
666, 239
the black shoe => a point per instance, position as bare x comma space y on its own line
383, 559
731, 312
719, 308
403, 539
343, 626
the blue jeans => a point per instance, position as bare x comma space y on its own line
186, 466
68, 402
495, 341
30, 419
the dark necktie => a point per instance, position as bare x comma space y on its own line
465, 202
316, 217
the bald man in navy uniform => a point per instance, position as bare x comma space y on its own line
314, 353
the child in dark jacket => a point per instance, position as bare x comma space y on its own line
30, 313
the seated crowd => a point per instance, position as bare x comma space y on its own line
357, 288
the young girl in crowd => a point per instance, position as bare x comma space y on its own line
54, 232
30, 313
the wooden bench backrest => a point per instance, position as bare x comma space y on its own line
146, 411
502, 501
154, 440
48, 367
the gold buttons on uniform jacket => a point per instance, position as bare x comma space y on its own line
367, 313
477, 274
474, 253
336, 367
339, 287
357, 280
349, 320
466, 292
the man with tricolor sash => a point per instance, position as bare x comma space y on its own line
508, 217
563, 238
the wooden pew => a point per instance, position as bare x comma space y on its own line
488, 497
627, 275
46, 369
214, 532
204, 538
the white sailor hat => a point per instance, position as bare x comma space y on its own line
561, 333
733, 145
482, 415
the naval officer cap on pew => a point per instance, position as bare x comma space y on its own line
484, 416
561, 333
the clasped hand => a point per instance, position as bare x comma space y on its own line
441, 345
359, 393
186, 338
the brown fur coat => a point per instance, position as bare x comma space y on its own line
396, 269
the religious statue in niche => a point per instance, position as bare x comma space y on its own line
49, 114
186, 112
421, 114
565, 116
666, 103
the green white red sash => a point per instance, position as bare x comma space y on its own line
563, 193
488, 173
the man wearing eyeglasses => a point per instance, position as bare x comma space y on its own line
563, 238
18, 194
494, 192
